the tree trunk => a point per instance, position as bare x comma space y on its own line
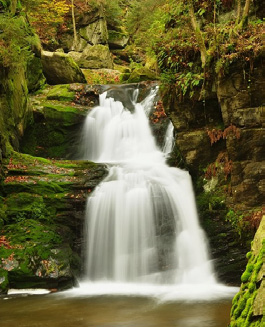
198, 33
74, 25
244, 21
238, 11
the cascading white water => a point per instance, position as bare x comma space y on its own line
169, 139
142, 224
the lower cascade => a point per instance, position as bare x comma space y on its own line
141, 221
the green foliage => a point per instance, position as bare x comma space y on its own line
237, 221
187, 82
114, 13
166, 32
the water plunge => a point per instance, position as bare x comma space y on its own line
141, 221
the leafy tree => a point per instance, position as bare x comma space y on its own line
46, 16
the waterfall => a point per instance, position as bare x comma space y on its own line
141, 221
169, 139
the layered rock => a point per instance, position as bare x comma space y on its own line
41, 218
220, 137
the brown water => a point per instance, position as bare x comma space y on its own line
109, 311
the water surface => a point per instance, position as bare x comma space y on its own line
110, 311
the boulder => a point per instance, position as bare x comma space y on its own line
96, 56
60, 68
96, 32
142, 74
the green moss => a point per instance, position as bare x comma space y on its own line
242, 309
40, 188
61, 93
249, 255
26, 159
245, 276
66, 115
22, 206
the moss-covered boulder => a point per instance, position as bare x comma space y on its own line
249, 304
59, 68
141, 74
93, 57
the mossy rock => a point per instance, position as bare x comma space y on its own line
248, 304
55, 131
60, 68
102, 76
61, 93
39, 188
66, 115
26, 205
142, 74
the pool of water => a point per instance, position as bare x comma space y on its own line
55, 310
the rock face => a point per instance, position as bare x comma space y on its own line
221, 140
242, 104
59, 68
249, 303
